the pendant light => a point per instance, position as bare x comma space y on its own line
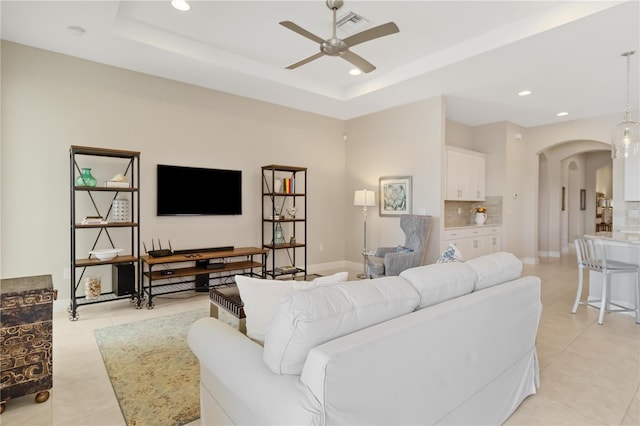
626, 135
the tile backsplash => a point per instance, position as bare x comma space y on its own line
631, 214
463, 213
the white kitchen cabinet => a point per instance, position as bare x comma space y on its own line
632, 178
465, 175
473, 241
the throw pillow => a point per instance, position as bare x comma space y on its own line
306, 319
321, 281
260, 298
451, 254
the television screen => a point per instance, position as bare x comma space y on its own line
198, 191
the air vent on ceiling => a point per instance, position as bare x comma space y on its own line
352, 23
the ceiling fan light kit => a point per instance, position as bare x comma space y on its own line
335, 46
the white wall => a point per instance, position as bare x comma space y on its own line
403, 141
51, 101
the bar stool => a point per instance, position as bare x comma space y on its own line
592, 255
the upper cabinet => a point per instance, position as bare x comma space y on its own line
632, 178
465, 175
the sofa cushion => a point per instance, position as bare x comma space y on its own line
306, 319
440, 281
495, 268
261, 297
338, 277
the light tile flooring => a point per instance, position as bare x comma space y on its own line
590, 373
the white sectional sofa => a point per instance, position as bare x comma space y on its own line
449, 343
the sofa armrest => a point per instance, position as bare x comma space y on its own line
236, 361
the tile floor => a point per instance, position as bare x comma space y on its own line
590, 374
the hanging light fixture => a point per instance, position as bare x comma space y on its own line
626, 135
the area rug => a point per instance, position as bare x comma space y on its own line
153, 372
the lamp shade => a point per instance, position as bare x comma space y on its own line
364, 198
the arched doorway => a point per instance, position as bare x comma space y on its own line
564, 170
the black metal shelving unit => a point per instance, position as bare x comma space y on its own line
99, 195
284, 235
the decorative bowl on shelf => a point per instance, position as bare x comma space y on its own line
105, 254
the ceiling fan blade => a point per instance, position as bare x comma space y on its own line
357, 60
372, 33
307, 60
298, 29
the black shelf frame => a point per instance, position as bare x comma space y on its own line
79, 265
273, 204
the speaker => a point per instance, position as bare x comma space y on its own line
123, 277
202, 280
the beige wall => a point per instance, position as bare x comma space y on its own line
406, 140
51, 101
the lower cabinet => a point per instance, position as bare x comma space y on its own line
473, 241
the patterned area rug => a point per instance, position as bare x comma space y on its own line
153, 372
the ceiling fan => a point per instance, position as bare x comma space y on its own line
338, 47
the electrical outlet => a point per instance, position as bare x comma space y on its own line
66, 273
321, 247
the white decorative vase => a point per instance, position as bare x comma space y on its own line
277, 185
120, 209
481, 218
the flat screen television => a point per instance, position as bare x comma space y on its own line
198, 191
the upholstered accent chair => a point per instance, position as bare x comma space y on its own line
390, 261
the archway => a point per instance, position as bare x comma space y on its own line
571, 165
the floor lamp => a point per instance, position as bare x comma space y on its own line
365, 199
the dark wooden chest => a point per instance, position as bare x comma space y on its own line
26, 331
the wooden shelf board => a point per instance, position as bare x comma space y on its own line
103, 152
105, 189
107, 225
283, 246
94, 262
192, 270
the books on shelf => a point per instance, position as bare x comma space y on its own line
116, 184
286, 269
93, 220
288, 185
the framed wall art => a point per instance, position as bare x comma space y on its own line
395, 195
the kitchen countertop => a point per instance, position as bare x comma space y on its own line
624, 236
473, 226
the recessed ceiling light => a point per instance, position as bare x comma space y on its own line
524, 93
181, 5
562, 114
355, 71
76, 31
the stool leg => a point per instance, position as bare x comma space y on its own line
638, 297
604, 301
579, 293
